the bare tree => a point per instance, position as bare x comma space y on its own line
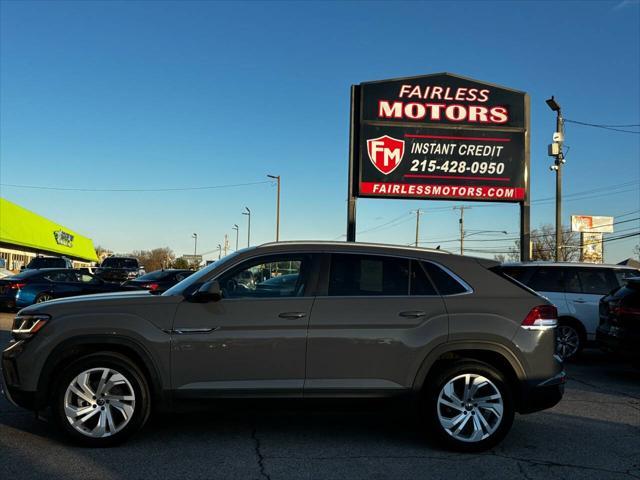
543, 245
155, 259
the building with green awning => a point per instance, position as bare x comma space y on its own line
24, 235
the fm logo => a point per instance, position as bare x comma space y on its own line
385, 153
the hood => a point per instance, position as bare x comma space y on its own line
91, 303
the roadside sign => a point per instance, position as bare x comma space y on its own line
193, 258
591, 224
440, 137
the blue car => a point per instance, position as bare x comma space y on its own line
35, 286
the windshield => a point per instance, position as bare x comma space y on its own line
120, 263
199, 276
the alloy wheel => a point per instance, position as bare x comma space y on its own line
44, 297
470, 408
567, 341
99, 402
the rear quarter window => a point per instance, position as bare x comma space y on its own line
444, 282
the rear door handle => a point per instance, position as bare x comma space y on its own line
412, 314
292, 315
579, 300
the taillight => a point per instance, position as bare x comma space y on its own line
627, 311
151, 286
16, 286
541, 318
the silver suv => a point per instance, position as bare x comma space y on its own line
575, 289
343, 320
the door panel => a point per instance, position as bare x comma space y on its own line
253, 341
367, 335
245, 346
363, 344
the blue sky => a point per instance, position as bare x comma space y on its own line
183, 94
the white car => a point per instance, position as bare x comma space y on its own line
575, 289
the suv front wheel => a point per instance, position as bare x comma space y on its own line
469, 406
101, 399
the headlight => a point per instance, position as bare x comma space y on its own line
26, 326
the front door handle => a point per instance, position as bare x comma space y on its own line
292, 315
412, 314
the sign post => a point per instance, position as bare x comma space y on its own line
439, 137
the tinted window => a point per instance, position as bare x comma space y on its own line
157, 275
420, 284
114, 262
572, 280
517, 273
86, 278
276, 277
547, 279
445, 283
357, 275
47, 262
60, 277
597, 281
622, 274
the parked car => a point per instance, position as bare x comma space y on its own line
160, 280
119, 269
36, 286
619, 329
48, 262
575, 289
472, 345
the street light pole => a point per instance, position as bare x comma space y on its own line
219, 251
237, 229
277, 177
248, 214
555, 150
195, 245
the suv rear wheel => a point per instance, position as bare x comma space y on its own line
569, 340
469, 406
101, 399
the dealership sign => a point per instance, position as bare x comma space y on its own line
63, 238
439, 136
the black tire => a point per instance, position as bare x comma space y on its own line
129, 371
431, 408
580, 334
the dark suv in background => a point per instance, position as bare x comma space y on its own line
119, 269
348, 320
48, 262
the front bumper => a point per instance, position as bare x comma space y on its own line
10, 380
543, 395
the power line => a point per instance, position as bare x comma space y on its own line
119, 189
615, 128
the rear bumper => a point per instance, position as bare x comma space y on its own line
543, 395
618, 340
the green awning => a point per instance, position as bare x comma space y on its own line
19, 226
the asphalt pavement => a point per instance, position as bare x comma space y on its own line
594, 433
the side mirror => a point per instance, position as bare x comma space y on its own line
208, 292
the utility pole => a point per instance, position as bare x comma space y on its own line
555, 150
247, 212
237, 229
417, 225
462, 208
219, 251
277, 177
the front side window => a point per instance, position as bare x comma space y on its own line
572, 281
58, 277
597, 281
272, 278
366, 275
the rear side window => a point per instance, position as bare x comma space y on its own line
572, 280
444, 282
597, 281
520, 274
47, 262
547, 279
58, 277
364, 275
623, 274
